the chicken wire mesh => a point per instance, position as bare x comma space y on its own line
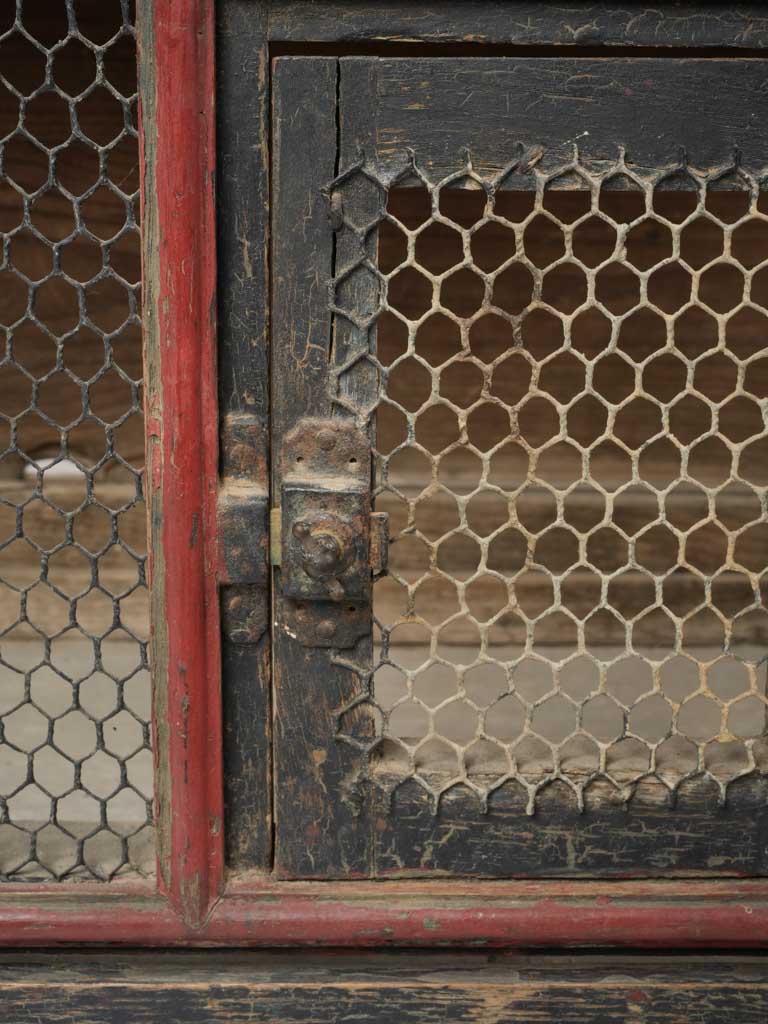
565, 370
75, 745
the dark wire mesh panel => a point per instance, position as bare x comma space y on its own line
75, 745
568, 372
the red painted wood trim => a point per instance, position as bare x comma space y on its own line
651, 916
182, 424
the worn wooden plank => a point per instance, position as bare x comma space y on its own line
176, 45
243, 207
321, 817
440, 107
243, 294
246, 756
650, 836
439, 987
523, 23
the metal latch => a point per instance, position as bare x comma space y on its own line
243, 503
325, 538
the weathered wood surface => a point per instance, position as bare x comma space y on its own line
243, 347
523, 23
247, 727
705, 913
424, 988
439, 107
177, 81
321, 818
652, 836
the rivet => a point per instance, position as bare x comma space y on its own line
326, 629
326, 439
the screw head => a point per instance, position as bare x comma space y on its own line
326, 629
322, 555
326, 439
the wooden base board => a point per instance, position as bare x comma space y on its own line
381, 987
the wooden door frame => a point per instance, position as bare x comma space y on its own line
195, 903
424, 110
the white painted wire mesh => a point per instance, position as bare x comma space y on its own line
566, 369
75, 757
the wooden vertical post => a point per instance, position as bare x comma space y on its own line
176, 65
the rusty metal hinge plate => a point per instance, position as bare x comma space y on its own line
243, 511
331, 544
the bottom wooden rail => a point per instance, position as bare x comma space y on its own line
381, 987
639, 914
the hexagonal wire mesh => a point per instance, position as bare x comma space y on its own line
75, 748
567, 372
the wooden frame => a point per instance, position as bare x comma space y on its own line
194, 904
430, 106
180, 323
261, 988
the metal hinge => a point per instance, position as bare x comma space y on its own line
243, 504
328, 543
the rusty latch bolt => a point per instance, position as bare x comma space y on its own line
326, 549
328, 543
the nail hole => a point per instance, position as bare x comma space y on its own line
299, 458
353, 461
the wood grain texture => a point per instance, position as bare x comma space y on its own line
649, 837
242, 83
439, 107
321, 816
468, 987
523, 23
663, 914
246, 700
176, 70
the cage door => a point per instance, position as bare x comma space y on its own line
556, 351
